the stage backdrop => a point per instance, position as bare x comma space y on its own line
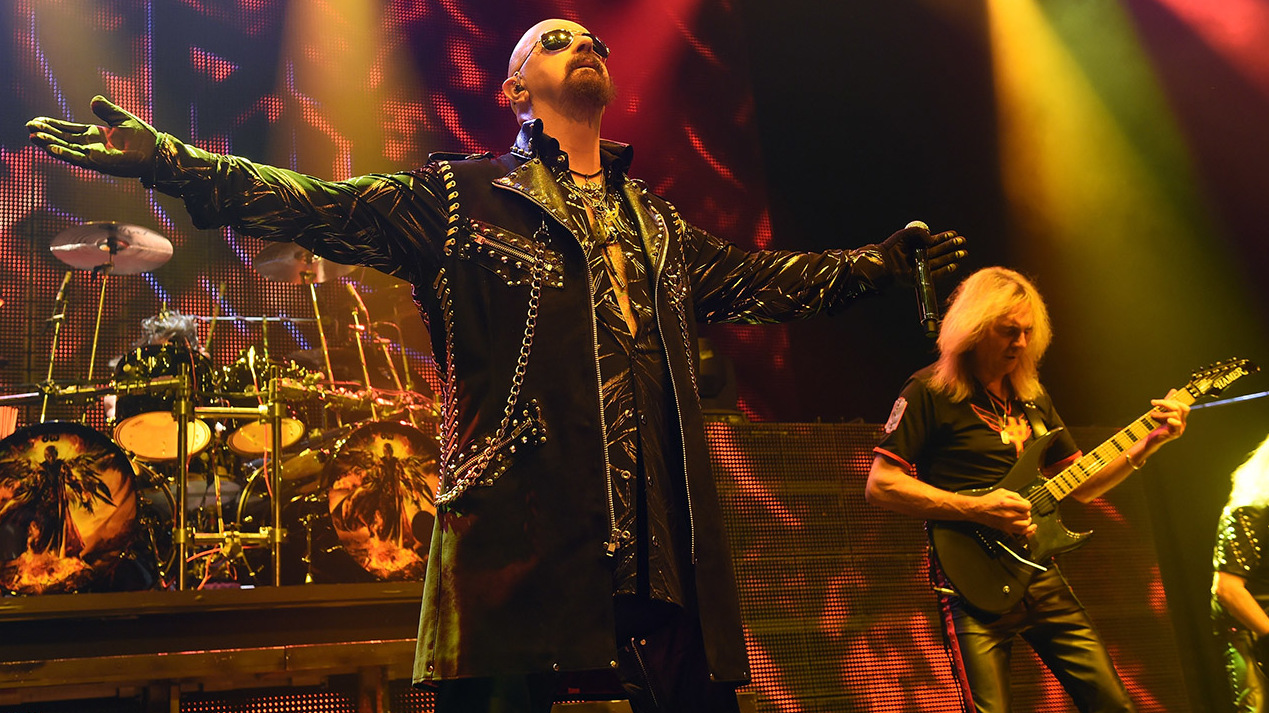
334, 90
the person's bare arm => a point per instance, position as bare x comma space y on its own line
1231, 591
891, 487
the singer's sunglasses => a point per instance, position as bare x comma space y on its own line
556, 40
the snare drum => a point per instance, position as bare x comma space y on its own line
68, 512
146, 426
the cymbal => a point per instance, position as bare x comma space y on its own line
130, 249
290, 263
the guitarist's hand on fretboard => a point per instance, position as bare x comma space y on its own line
1171, 413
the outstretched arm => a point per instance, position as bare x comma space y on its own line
387, 222
730, 284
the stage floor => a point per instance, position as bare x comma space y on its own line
125, 644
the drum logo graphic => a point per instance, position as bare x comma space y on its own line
382, 499
68, 509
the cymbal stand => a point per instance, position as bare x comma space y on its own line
405, 361
308, 276
369, 330
105, 269
276, 414
273, 410
361, 355
183, 413
215, 316
59, 316
392, 366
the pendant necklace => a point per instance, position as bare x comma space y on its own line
595, 195
1003, 419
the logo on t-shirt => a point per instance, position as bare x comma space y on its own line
896, 413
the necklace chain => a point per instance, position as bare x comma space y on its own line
595, 194
603, 205
587, 176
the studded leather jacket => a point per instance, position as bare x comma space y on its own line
518, 577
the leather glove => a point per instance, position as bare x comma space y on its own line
942, 252
125, 146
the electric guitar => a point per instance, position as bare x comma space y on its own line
991, 569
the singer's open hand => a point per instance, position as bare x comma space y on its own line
943, 251
125, 146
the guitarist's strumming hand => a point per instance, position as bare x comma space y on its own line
1004, 510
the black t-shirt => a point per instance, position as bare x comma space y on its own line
970, 444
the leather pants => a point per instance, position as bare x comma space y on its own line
1246, 683
1057, 627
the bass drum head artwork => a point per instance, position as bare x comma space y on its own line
68, 512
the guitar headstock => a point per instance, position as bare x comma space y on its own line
1211, 380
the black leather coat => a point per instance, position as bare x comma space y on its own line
518, 578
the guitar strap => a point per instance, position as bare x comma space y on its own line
1038, 429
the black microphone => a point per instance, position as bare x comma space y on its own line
927, 299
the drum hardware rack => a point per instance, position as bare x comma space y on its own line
184, 412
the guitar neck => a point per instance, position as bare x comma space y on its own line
1092, 462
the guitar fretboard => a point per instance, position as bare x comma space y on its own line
1092, 462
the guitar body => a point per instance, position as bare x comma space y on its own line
976, 559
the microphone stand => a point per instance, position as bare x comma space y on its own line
59, 316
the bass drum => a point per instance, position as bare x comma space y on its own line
359, 512
381, 498
68, 513
145, 423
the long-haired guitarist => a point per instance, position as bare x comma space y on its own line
962, 424
1240, 586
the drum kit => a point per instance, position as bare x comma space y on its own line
188, 488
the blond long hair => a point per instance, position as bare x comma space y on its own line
983, 298
1251, 480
